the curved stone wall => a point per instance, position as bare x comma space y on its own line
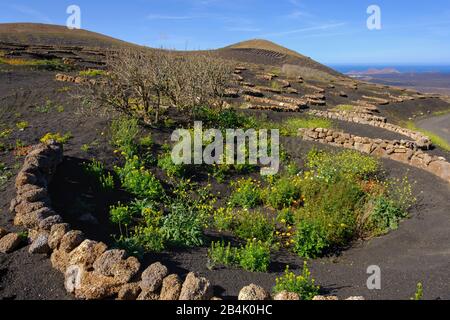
421, 140
91, 270
401, 151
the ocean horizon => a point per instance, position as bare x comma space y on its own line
344, 68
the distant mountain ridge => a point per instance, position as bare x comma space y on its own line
374, 71
257, 51
45, 34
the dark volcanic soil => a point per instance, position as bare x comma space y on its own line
417, 252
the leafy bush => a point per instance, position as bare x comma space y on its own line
303, 285
385, 216
221, 254
144, 239
183, 226
56, 137
349, 164
419, 292
223, 219
283, 192
310, 239
254, 256
343, 199
123, 135
286, 216
22, 125
223, 119
172, 170
141, 182
121, 215
335, 208
246, 194
253, 225
290, 127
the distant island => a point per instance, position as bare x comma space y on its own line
374, 71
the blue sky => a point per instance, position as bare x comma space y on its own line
330, 31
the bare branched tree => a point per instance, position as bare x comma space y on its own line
140, 83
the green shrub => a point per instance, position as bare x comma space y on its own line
246, 194
123, 135
149, 238
253, 225
385, 216
334, 207
183, 226
144, 239
255, 256
45, 108
121, 215
419, 292
224, 119
221, 254
283, 192
310, 239
350, 164
223, 219
172, 170
303, 285
146, 142
400, 192
56, 137
290, 127
51, 65
139, 181
286, 216
22, 125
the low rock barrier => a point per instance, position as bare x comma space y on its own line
91, 270
421, 140
402, 151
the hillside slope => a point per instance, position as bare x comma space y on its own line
266, 52
44, 34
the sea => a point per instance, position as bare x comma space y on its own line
344, 68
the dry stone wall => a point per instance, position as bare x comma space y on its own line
91, 270
402, 151
421, 140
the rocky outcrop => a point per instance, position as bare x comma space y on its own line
402, 151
